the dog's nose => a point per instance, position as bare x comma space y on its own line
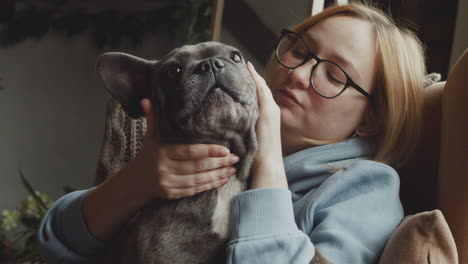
210, 64
205, 65
218, 63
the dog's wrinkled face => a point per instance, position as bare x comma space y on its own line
193, 88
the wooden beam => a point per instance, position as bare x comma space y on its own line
216, 19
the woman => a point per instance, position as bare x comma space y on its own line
343, 87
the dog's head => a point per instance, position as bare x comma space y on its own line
193, 88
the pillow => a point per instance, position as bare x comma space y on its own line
423, 165
421, 238
123, 138
453, 169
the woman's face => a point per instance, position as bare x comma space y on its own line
347, 41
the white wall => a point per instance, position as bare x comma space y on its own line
460, 39
52, 114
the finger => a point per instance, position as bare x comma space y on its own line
263, 91
186, 167
196, 151
190, 191
202, 178
255, 76
150, 117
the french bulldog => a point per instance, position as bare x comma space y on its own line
201, 94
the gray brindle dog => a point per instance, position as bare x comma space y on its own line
202, 94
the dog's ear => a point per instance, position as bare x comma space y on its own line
126, 78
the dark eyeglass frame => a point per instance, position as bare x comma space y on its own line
349, 81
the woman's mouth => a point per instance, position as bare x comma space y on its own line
288, 95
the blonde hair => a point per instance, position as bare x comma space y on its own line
398, 93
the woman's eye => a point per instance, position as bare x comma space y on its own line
298, 54
236, 58
334, 79
292, 38
174, 70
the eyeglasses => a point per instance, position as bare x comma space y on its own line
327, 78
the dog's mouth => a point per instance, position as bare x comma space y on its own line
218, 99
218, 87
218, 96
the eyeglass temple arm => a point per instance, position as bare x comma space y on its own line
359, 89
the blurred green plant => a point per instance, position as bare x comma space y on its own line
187, 21
18, 227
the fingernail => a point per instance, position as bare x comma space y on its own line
234, 159
251, 65
223, 152
232, 170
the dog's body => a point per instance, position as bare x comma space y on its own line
202, 94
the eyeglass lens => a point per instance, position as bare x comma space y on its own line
326, 78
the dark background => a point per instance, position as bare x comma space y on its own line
432, 20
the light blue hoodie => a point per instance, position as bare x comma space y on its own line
338, 203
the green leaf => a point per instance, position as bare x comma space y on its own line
185, 20
40, 204
30, 221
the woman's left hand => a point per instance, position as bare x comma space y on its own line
268, 168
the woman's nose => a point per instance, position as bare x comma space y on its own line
301, 75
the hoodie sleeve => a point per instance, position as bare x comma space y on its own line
63, 236
264, 230
348, 219
355, 212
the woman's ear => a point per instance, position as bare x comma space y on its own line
126, 78
369, 125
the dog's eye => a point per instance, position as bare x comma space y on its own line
236, 57
174, 70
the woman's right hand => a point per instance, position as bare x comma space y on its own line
168, 171
173, 171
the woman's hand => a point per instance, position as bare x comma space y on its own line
173, 171
159, 170
268, 168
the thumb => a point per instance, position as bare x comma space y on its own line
263, 92
151, 123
